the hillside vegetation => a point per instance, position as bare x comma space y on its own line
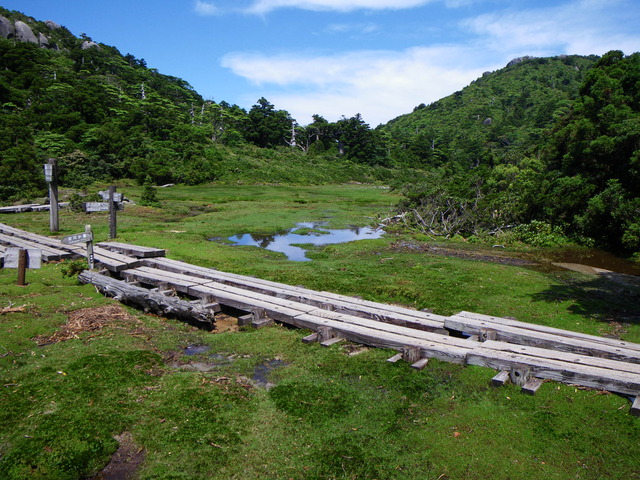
545, 149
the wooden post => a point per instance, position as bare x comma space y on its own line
90, 257
112, 212
22, 266
51, 176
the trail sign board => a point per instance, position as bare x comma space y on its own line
101, 206
78, 238
96, 207
48, 172
12, 254
117, 196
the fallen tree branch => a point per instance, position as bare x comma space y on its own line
148, 300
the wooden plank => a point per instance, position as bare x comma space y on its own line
563, 356
395, 358
635, 407
521, 336
49, 254
331, 341
532, 386
500, 379
240, 301
137, 251
492, 322
420, 364
381, 312
588, 376
387, 327
155, 277
310, 338
382, 339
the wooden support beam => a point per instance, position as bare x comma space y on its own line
395, 358
420, 364
635, 408
532, 385
411, 354
500, 379
260, 318
332, 341
310, 338
488, 334
245, 320
519, 374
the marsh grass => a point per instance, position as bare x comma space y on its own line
329, 415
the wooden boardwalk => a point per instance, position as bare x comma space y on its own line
523, 353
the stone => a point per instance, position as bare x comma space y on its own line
43, 41
6, 28
52, 25
88, 44
24, 33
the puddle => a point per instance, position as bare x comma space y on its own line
305, 233
196, 349
261, 373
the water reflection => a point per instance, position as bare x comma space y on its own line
310, 233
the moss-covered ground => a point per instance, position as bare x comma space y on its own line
78, 370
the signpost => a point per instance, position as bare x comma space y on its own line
86, 237
51, 177
112, 203
22, 259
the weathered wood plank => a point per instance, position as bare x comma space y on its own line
635, 407
532, 386
588, 376
340, 303
137, 251
420, 364
492, 322
396, 358
522, 336
563, 356
382, 339
500, 379
49, 254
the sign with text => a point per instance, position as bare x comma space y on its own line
117, 197
12, 257
78, 238
101, 206
48, 172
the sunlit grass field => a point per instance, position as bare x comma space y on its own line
326, 413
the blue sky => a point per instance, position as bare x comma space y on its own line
379, 58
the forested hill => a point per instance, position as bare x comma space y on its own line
500, 114
551, 146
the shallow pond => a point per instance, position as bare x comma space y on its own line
305, 233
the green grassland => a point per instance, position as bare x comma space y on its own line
327, 413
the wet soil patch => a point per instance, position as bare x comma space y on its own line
503, 258
125, 463
261, 372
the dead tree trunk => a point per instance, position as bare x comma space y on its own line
150, 301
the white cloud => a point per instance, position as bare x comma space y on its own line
266, 6
577, 27
204, 8
378, 84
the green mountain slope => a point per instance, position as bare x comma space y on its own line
501, 112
